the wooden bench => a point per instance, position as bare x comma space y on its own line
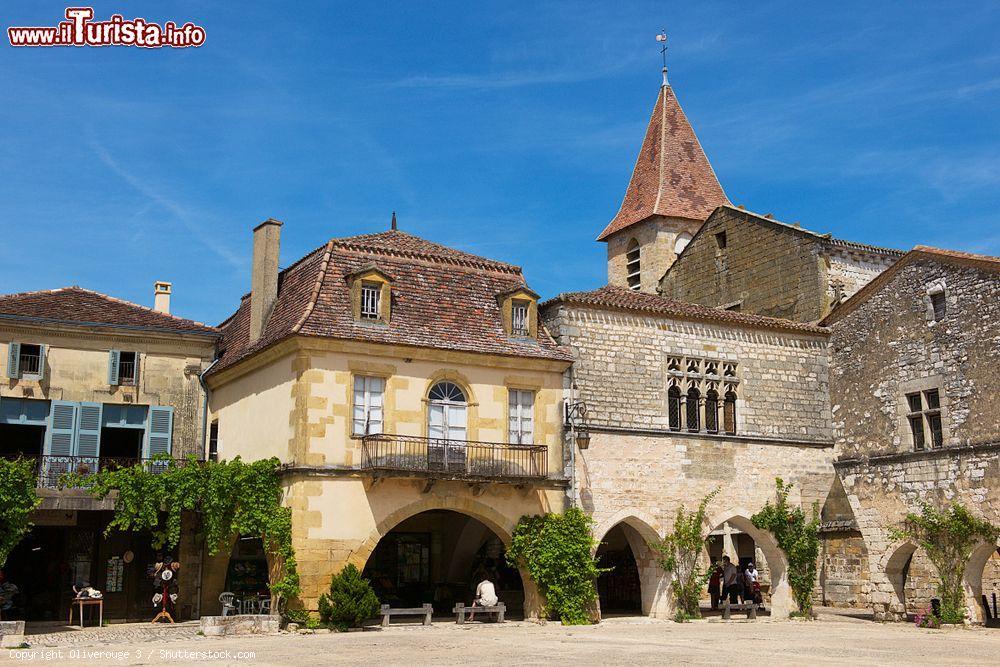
461, 610
749, 607
427, 610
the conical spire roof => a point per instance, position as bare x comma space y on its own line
672, 176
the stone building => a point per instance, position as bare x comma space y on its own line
743, 261
93, 382
680, 400
672, 191
914, 390
414, 401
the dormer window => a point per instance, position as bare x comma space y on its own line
519, 317
371, 297
371, 291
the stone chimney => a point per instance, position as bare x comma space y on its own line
161, 296
264, 274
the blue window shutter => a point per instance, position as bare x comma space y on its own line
88, 431
113, 356
62, 425
14, 360
41, 361
159, 430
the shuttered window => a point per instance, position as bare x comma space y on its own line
88, 430
59, 437
123, 367
159, 431
25, 360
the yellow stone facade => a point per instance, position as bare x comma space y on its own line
294, 402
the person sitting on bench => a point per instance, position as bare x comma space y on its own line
486, 596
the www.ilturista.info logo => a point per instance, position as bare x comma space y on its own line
80, 30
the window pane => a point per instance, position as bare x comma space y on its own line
933, 399
934, 421
674, 408
914, 402
917, 429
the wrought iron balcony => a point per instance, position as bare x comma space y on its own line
52, 469
464, 459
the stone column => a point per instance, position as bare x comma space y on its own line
728, 547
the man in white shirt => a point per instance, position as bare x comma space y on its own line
486, 596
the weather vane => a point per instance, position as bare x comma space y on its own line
662, 37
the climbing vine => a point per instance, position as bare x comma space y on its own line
557, 550
232, 498
798, 536
678, 553
17, 500
948, 537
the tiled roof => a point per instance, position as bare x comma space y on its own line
621, 298
987, 262
672, 176
441, 298
75, 305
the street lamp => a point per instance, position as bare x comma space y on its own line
576, 419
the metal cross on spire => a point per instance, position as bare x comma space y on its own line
662, 37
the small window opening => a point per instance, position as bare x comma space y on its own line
31, 359
127, 368
729, 413
939, 305
693, 410
720, 240
674, 408
712, 411
519, 318
632, 266
925, 418
213, 441
371, 296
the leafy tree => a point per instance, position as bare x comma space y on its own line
948, 536
557, 550
231, 498
351, 600
798, 537
678, 555
17, 501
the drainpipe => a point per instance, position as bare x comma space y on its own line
205, 392
572, 439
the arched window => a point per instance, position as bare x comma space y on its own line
446, 416
712, 411
674, 408
632, 267
693, 409
729, 412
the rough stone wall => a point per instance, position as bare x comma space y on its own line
622, 360
656, 237
890, 346
850, 270
843, 570
766, 268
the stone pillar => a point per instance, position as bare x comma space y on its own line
728, 547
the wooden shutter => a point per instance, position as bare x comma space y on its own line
88, 431
14, 360
41, 361
159, 430
59, 440
113, 357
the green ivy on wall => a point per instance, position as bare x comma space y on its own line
17, 501
798, 537
232, 499
678, 554
557, 550
949, 537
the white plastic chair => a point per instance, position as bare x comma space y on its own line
228, 604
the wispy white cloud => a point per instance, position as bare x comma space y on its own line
194, 223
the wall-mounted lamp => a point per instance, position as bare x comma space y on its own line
576, 419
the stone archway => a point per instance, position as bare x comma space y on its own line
493, 520
972, 580
654, 583
889, 598
782, 601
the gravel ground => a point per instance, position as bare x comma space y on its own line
835, 638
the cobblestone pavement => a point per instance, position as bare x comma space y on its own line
834, 639
111, 634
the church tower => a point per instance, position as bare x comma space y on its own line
672, 191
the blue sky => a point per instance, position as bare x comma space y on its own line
504, 129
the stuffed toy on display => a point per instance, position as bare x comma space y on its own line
165, 584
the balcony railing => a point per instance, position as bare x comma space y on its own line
453, 458
52, 469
